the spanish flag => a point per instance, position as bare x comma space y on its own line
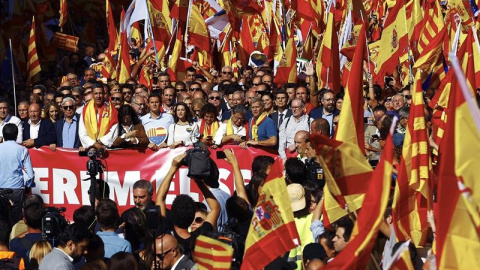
212, 254
161, 21
136, 34
357, 252
328, 62
350, 124
124, 59
198, 33
347, 174
33, 63
63, 13
457, 235
287, 71
272, 231
112, 32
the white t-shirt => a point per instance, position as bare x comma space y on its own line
187, 133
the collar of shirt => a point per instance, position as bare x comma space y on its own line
177, 262
156, 118
34, 125
74, 118
300, 119
68, 256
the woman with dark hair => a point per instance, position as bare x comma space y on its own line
136, 230
131, 132
123, 261
52, 112
209, 124
184, 131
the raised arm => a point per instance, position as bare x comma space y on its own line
212, 202
237, 175
165, 185
312, 88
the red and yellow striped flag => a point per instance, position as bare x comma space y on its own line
287, 71
33, 63
212, 254
350, 124
414, 176
63, 13
357, 252
433, 24
328, 62
347, 173
272, 231
458, 235
161, 21
136, 33
112, 32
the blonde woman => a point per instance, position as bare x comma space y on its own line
38, 251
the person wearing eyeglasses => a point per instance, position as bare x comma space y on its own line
215, 98
227, 73
168, 254
328, 110
200, 216
66, 128
138, 105
127, 92
117, 99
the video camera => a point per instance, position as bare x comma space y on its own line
53, 223
198, 161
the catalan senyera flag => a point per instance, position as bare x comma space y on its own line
470, 60
65, 42
350, 124
347, 173
125, 70
457, 235
356, 254
433, 24
198, 33
33, 63
394, 41
272, 231
414, 172
328, 62
430, 55
63, 13
212, 254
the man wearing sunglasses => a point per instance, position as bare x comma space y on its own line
66, 128
215, 98
227, 73
169, 255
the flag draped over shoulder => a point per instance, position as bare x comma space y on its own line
33, 63
357, 252
212, 254
272, 231
347, 174
458, 235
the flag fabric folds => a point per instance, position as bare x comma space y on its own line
357, 252
272, 231
63, 13
457, 235
33, 63
212, 254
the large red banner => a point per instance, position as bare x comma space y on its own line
59, 175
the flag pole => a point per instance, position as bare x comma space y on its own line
13, 76
186, 27
151, 32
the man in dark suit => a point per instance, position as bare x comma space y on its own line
169, 255
37, 132
281, 100
327, 111
66, 128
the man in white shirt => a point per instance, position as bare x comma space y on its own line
235, 130
36, 131
6, 118
98, 122
290, 126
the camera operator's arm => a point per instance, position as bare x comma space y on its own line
237, 175
165, 185
212, 202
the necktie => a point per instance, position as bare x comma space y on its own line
280, 120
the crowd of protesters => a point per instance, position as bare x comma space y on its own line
220, 107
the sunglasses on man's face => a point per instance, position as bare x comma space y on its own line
116, 99
198, 220
227, 73
194, 89
162, 256
68, 108
215, 98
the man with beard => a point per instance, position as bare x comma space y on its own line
327, 111
98, 122
72, 243
142, 194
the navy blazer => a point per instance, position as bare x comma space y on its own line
46, 133
274, 117
59, 131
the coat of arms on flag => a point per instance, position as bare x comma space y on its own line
157, 135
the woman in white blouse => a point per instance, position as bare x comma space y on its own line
184, 131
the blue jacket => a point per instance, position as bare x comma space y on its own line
59, 131
46, 133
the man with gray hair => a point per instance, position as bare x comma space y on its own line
138, 105
235, 130
142, 194
403, 114
398, 101
290, 126
66, 128
262, 131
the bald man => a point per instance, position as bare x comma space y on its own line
207, 87
37, 131
315, 264
300, 143
321, 126
169, 255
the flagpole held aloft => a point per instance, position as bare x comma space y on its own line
13, 76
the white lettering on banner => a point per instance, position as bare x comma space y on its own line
62, 188
85, 178
41, 173
122, 192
